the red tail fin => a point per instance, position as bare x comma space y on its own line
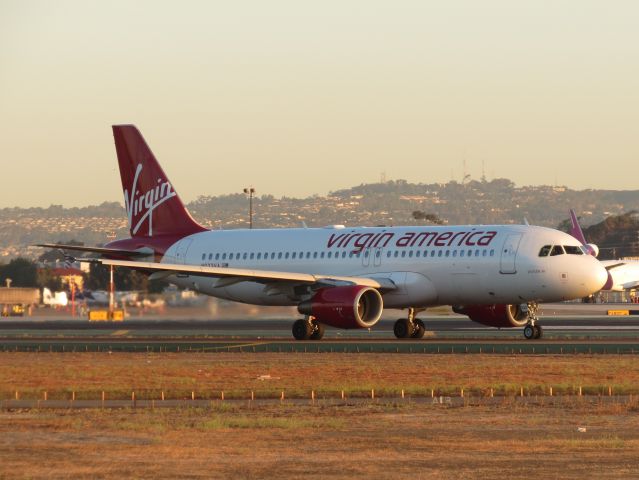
153, 208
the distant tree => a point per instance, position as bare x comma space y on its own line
124, 279
428, 217
21, 271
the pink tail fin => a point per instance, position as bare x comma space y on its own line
153, 207
575, 230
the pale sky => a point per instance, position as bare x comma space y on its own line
297, 97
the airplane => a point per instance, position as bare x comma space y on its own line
622, 274
345, 276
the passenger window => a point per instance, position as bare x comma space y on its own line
410, 254
344, 254
483, 253
432, 253
403, 253
279, 255
477, 253
556, 250
439, 254
322, 255
259, 255
448, 253
572, 250
329, 255
314, 254
244, 256
252, 256
293, 256
378, 254
204, 256
461, 253
396, 253
388, 254
418, 253
492, 252
273, 255
545, 250
286, 255
308, 254
224, 256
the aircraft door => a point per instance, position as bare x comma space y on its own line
366, 256
181, 250
509, 253
371, 256
377, 256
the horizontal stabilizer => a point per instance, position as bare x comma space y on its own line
100, 250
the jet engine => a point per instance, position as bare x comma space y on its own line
353, 306
500, 316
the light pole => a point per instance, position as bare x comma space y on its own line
250, 191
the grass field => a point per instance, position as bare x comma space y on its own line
208, 374
579, 438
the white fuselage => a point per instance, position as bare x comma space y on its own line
457, 265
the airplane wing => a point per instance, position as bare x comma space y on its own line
100, 250
614, 265
229, 276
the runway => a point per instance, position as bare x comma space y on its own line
568, 328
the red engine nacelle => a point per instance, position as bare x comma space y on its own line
345, 307
500, 316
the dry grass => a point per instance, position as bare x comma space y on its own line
376, 441
510, 439
298, 373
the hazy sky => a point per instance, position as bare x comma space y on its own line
299, 97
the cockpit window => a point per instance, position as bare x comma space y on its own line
572, 250
557, 250
545, 250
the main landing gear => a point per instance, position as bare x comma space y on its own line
532, 331
410, 327
308, 329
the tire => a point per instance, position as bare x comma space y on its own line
420, 329
301, 330
402, 328
318, 333
539, 332
529, 332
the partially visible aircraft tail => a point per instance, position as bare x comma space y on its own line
576, 232
575, 229
153, 207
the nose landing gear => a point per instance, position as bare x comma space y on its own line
410, 327
532, 331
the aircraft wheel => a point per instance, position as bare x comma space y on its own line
318, 332
402, 328
539, 332
302, 330
420, 329
529, 332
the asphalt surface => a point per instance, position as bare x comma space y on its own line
568, 328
